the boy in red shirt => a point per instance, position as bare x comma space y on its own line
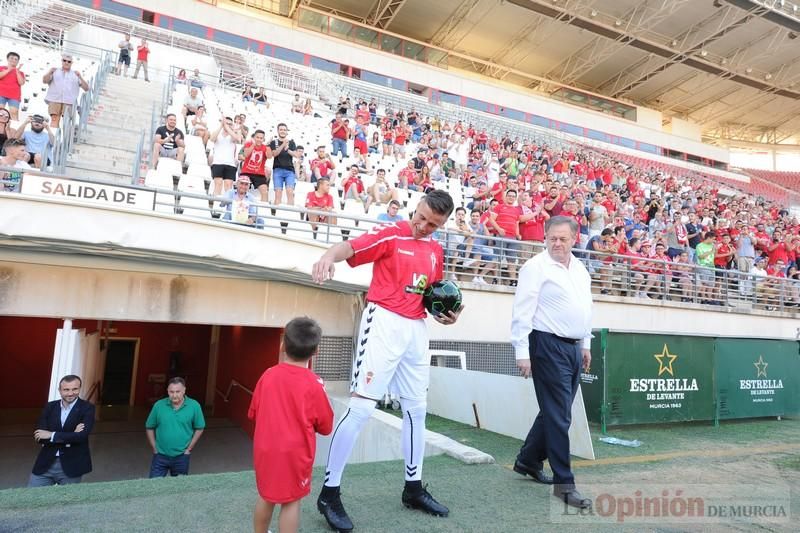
289, 407
255, 154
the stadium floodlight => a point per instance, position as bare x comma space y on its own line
748, 70
768, 76
703, 53
593, 13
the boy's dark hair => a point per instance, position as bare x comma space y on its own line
257, 132
301, 338
12, 54
440, 202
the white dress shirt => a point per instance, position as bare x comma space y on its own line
553, 298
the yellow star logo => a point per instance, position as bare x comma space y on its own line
761, 367
660, 358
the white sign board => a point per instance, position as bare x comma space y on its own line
81, 191
504, 404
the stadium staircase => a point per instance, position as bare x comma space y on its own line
108, 148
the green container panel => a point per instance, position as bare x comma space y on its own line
757, 378
592, 382
658, 378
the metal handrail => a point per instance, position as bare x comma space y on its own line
227, 394
613, 275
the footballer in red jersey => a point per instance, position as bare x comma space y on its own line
392, 345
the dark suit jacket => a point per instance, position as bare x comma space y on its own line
73, 447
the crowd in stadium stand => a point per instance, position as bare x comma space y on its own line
654, 222
657, 224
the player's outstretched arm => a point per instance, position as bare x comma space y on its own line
450, 318
323, 269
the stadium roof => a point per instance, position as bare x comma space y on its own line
732, 66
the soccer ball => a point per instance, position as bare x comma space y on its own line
441, 297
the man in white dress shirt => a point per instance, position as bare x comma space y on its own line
551, 328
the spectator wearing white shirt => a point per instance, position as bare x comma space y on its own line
224, 160
64, 85
125, 48
192, 102
551, 334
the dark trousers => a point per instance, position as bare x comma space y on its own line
162, 465
555, 367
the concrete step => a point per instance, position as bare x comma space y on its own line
98, 152
128, 118
103, 165
81, 172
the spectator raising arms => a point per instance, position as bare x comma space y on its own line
64, 84
124, 60
142, 53
256, 154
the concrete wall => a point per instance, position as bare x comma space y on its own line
280, 32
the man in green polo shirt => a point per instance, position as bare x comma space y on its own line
173, 428
704, 254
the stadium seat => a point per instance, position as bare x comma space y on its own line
169, 167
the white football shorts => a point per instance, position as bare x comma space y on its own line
391, 355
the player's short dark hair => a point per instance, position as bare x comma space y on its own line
12, 54
259, 131
281, 124
170, 115
605, 233
69, 378
439, 201
395, 203
176, 381
458, 209
301, 338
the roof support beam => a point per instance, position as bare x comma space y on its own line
644, 17
383, 12
688, 57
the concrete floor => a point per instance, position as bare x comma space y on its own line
119, 446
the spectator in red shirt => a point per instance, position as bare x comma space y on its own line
778, 249
11, 81
339, 136
289, 407
532, 228
505, 218
642, 278
353, 187
322, 165
320, 199
407, 176
387, 132
142, 52
401, 133
256, 154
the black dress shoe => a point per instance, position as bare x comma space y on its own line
332, 509
573, 498
537, 475
423, 501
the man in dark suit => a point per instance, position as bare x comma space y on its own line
63, 432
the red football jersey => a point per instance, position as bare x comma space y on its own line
289, 407
315, 202
403, 267
255, 162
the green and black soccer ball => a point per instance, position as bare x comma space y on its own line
442, 297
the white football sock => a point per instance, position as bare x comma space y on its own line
413, 436
344, 437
